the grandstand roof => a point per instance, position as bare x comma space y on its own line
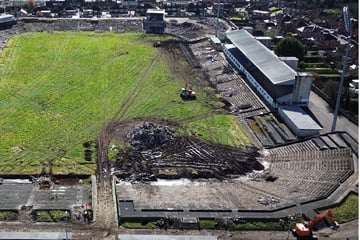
274, 90
265, 60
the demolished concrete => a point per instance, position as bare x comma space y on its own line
157, 153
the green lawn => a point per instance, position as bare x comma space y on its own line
347, 210
139, 225
58, 90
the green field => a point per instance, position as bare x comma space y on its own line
58, 90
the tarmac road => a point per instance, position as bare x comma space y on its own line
325, 114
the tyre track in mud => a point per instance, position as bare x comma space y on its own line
188, 157
184, 153
105, 209
133, 94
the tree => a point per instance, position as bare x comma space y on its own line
290, 47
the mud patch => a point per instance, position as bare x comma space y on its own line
183, 157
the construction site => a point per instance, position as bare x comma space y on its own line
180, 181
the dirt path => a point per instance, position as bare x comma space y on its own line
105, 209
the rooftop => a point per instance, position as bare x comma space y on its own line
156, 11
264, 59
300, 118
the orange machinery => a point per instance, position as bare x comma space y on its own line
304, 230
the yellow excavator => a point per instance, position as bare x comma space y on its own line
304, 230
187, 93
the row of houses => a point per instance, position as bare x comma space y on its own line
84, 8
314, 28
89, 8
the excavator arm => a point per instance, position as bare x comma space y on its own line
305, 230
320, 216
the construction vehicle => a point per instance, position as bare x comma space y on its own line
187, 93
304, 230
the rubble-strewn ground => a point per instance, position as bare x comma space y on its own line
296, 179
156, 153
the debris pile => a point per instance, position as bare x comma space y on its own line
45, 183
149, 136
268, 201
183, 157
256, 176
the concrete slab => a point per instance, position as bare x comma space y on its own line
35, 235
59, 197
13, 196
193, 196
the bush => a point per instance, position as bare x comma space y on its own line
207, 224
50, 216
7, 215
139, 225
257, 225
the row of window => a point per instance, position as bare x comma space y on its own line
252, 80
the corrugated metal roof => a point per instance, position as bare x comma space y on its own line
265, 60
274, 90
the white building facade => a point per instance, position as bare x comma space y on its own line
276, 82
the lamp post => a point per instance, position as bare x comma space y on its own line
67, 216
217, 19
338, 99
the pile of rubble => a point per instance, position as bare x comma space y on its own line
45, 183
181, 157
268, 201
261, 175
149, 136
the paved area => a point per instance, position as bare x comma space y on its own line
193, 195
325, 115
15, 195
35, 235
59, 197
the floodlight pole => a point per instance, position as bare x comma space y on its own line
338, 99
217, 19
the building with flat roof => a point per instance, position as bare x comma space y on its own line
274, 79
276, 82
299, 121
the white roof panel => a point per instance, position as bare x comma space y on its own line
300, 118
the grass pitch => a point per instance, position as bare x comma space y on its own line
57, 91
